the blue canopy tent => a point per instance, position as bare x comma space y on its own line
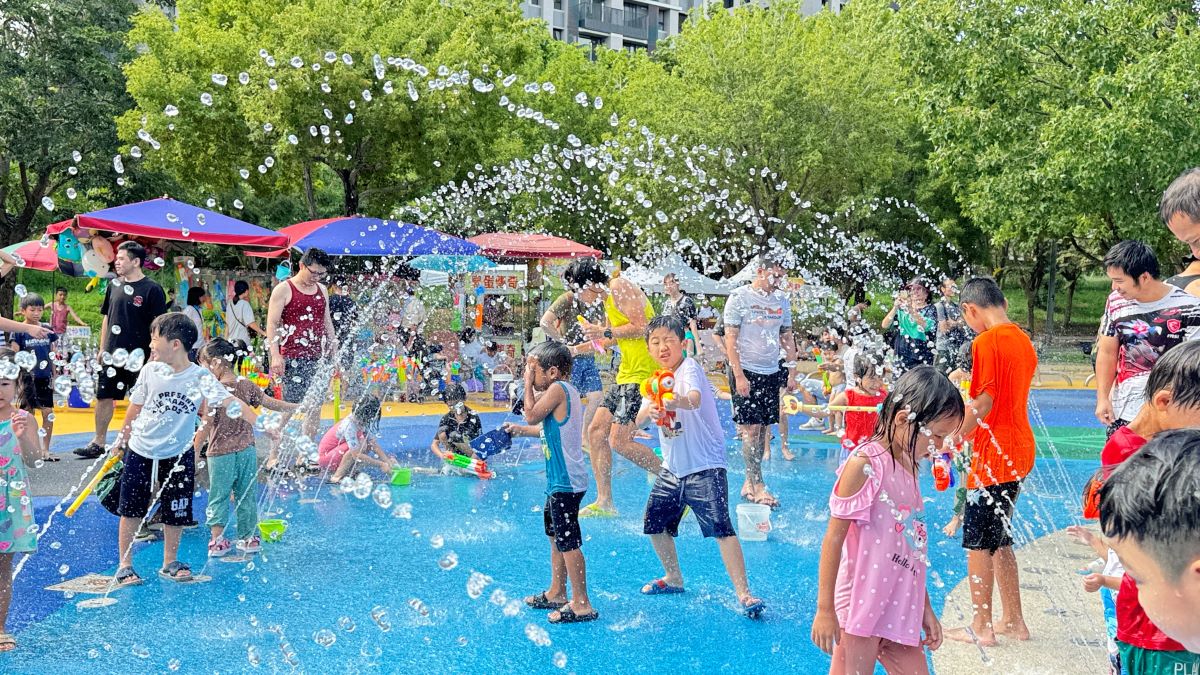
357, 236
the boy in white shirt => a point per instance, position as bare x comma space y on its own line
170, 397
693, 470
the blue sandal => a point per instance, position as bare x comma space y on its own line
660, 587
754, 610
178, 572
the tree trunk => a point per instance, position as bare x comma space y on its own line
349, 191
1032, 284
309, 199
1070, 303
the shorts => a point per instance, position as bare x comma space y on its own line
706, 492
117, 386
43, 392
762, 405
297, 376
585, 376
177, 487
1112, 428
987, 520
561, 518
623, 401
1142, 660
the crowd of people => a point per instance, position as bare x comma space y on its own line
893, 400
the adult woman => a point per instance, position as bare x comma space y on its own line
916, 325
240, 325
195, 301
561, 322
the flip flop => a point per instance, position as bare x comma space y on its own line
660, 587
127, 577
172, 572
593, 511
754, 610
566, 615
540, 601
7, 642
50, 458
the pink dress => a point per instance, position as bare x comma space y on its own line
880, 588
340, 439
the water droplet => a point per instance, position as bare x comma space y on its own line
448, 561
237, 204
244, 78
347, 624
297, 62
63, 569
325, 638
220, 79
140, 651
71, 193
20, 290
206, 98
436, 541
537, 635
560, 660
118, 165
76, 156
48, 203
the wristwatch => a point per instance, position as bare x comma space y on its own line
608, 333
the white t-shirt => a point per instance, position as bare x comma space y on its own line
848, 357
700, 443
470, 351
198, 321
237, 321
170, 408
759, 318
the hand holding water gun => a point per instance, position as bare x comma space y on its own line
596, 343
943, 472
826, 386
659, 390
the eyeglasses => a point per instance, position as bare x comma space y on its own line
320, 275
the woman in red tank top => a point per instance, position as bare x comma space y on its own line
302, 324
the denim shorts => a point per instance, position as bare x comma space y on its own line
706, 492
585, 376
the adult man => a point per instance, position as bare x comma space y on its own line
758, 322
953, 337
561, 322
683, 306
300, 329
1179, 209
628, 312
131, 303
1143, 318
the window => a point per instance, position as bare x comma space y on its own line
557, 33
632, 47
662, 21
536, 3
636, 15
682, 20
558, 5
729, 4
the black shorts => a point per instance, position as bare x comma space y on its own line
297, 376
707, 492
43, 392
623, 401
117, 386
762, 405
177, 485
1112, 428
987, 521
561, 518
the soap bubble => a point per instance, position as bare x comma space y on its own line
560, 660
402, 511
76, 156
26, 360
173, 665
347, 624
220, 79
448, 561
48, 203
325, 638
436, 541
140, 651
234, 410
63, 569
382, 494
537, 635
206, 98
244, 77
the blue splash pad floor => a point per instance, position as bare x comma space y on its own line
342, 557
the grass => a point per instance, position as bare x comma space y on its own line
86, 305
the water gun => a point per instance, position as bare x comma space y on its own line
467, 465
91, 486
658, 389
793, 406
943, 472
596, 344
824, 374
479, 291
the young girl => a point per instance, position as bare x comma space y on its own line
352, 441
867, 391
16, 512
871, 599
232, 456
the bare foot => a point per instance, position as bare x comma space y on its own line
761, 496
1016, 630
787, 453
982, 638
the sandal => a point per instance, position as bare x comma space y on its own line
567, 615
7, 642
127, 577
178, 572
660, 587
47, 459
755, 609
593, 511
541, 601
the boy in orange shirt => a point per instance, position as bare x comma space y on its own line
1003, 362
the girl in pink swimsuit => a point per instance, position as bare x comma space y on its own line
352, 441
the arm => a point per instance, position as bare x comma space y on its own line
25, 427
7, 262
918, 317
331, 343
1106, 375
203, 434
280, 296
789, 347
735, 361
75, 317
28, 328
826, 631
977, 409
521, 429
629, 301
891, 316
271, 403
131, 415
541, 408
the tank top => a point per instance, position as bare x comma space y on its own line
302, 325
58, 319
562, 443
860, 426
1182, 281
636, 363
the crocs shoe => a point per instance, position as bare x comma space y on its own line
219, 548
250, 544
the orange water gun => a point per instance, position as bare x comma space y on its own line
658, 389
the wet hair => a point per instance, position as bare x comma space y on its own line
926, 396
134, 250
1133, 258
367, 412
315, 256
553, 354
61, 289
454, 393
195, 295
983, 292
1181, 196
219, 349
23, 396
240, 288
866, 365
175, 326
32, 300
668, 321
1177, 371
1152, 498
587, 271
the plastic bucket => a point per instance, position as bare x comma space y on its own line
500, 386
272, 529
754, 522
402, 475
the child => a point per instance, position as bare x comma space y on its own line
42, 394
232, 457
553, 402
867, 391
872, 603
457, 427
1150, 514
693, 471
18, 447
171, 395
352, 441
1001, 440
833, 378
59, 310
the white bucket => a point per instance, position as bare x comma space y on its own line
754, 522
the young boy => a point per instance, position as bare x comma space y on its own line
1150, 513
171, 395
457, 427
59, 310
557, 408
997, 427
32, 307
693, 472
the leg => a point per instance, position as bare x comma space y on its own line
104, 414
48, 427
222, 471
752, 453
244, 493
558, 575
981, 573
621, 440
1012, 620
783, 435
591, 403
898, 659
577, 571
171, 535
854, 655
5, 588
125, 532
664, 548
345, 464
601, 455
735, 567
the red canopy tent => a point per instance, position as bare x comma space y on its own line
531, 246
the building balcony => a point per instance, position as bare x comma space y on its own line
601, 18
